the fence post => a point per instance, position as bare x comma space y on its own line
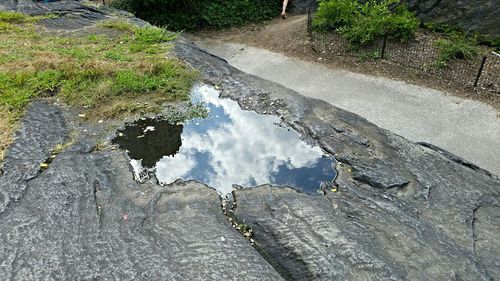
480, 71
384, 44
309, 19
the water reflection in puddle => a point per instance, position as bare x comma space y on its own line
232, 146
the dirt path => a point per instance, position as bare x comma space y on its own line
469, 129
290, 37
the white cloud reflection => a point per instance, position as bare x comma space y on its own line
240, 148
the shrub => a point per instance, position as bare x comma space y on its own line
189, 14
456, 47
362, 23
335, 13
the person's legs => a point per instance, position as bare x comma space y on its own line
283, 12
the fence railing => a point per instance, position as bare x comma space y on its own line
420, 53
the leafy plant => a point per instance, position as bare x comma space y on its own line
335, 13
363, 23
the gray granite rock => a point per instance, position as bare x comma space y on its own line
42, 128
481, 15
302, 6
84, 218
402, 211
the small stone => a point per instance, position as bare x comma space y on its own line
81, 115
222, 239
44, 165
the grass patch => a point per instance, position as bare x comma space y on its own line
14, 17
110, 77
455, 47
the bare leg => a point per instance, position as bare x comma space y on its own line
283, 12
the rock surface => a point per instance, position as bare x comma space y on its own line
481, 15
301, 6
402, 211
84, 218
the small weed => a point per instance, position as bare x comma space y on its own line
188, 111
61, 147
127, 108
56, 151
101, 145
116, 56
368, 55
119, 25
456, 47
152, 34
77, 52
245, 230
145, 34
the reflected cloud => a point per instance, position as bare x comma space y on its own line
241, 147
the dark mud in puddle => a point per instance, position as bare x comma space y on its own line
229, 147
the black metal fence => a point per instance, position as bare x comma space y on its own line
420, 53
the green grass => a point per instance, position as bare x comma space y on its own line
14, 17
455, 47
127, 73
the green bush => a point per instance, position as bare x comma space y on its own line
362, 23
456, 47
335, 13
189, 14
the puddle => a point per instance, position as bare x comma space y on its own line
229, 147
